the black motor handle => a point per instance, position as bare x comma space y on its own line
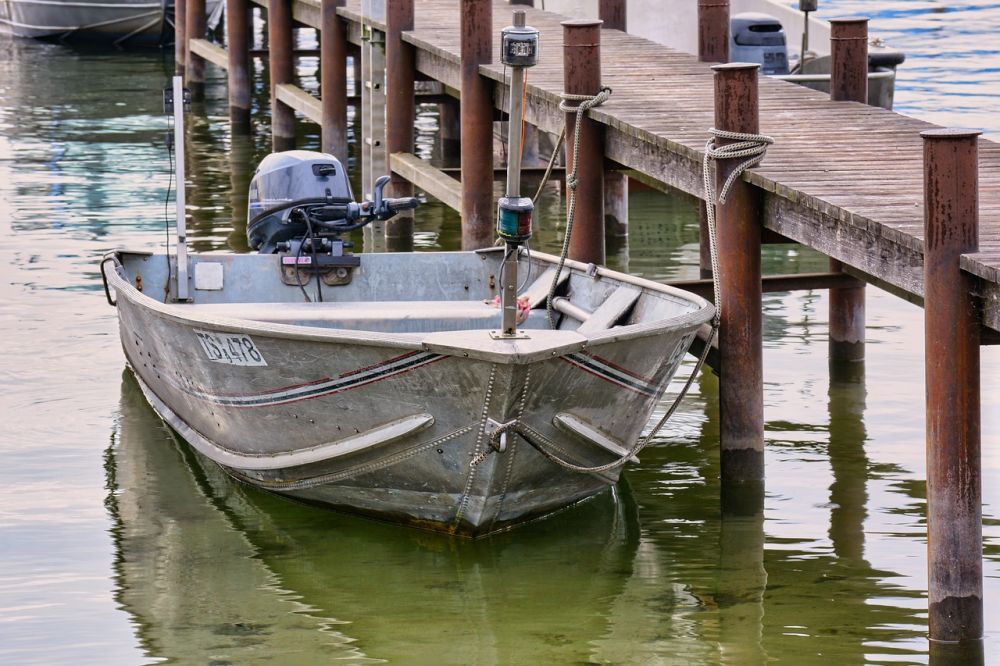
404, 203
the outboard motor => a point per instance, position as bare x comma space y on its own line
300, 203
759, 38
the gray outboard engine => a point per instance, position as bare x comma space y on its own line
300, 194
300, 202
759, 38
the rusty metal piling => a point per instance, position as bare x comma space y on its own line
848, 82
713, 46
582, 76
952, 336
194, 67
238, 52
741, 402
282, 70
400, 74
333, 80
713, 30
613, 15
477, 125
180, 36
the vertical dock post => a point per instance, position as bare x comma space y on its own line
848, 82
282, 69
400, 74
741, 384
613, 13
238, 48
194, 68
477, 125
180, 36
713, 30
951, 330
713, 46
333, 80
450, 132
582, 76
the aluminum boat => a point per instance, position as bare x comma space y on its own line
436, 389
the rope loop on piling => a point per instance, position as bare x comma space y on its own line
751, 148
586, 102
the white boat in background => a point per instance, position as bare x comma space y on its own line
674, 23
120, 22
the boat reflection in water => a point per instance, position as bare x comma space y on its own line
211, 568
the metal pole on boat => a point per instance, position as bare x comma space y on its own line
519, 50
182, 271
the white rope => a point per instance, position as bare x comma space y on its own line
752, 147
585, 102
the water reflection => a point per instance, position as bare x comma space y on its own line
210, 567
206, 566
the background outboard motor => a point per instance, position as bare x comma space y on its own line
759, 38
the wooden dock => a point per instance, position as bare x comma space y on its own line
843, 178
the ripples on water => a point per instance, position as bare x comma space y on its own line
952, 51
117, 545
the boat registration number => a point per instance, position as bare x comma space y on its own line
230, 348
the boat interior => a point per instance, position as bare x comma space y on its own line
409, 292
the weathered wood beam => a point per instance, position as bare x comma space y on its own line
771, 284
213, 53
299, 100
431, 180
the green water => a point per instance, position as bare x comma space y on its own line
118, 545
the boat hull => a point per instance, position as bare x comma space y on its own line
402, 428
121, 22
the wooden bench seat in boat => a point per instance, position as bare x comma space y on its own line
422, 316
380, 316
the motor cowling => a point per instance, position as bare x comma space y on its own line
759, 38
285, 183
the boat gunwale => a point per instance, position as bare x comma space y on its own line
703, 312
